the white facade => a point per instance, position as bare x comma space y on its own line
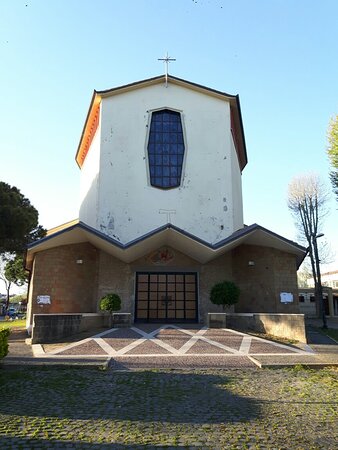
116, 196
329, 279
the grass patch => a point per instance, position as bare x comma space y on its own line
331, 332
278, 339
14, 324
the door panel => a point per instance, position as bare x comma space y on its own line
166, 297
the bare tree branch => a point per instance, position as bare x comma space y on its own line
307, 201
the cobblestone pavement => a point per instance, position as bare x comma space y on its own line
170, 346
72, 408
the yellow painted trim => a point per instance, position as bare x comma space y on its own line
62, 227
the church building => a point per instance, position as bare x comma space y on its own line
161, 213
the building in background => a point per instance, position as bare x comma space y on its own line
307, 301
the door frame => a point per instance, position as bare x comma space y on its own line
166, 320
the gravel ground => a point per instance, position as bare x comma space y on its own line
83, 408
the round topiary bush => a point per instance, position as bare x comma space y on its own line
225, 293
110, 303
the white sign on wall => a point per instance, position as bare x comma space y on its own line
286, 297
43, 300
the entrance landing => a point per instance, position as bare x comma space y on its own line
173, 346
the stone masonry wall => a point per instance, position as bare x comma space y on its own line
115, 276
273, 272
220, 269
76, 288
179, 263
71, 286
208, 274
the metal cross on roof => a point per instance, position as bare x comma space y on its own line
167, 59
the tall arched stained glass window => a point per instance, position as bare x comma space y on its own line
165, 149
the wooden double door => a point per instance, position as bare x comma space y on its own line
166, 297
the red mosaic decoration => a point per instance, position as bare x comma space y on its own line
161, 257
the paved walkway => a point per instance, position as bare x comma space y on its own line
170, 346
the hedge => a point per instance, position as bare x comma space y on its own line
4, 333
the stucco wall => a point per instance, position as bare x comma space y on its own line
128, 206
237, 198
273, 272
89, 181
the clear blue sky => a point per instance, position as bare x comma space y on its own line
280, 56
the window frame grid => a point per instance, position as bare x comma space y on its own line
165, 159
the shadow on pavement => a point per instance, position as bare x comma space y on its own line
145, 396
7, 443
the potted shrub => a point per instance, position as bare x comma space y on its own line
110, 303
225, 293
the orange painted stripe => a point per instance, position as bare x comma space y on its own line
89, 133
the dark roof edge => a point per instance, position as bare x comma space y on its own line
159, 77
242, 129
234, 236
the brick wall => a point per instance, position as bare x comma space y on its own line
71, 286
116, 277
76, 288
215, 271
273, 272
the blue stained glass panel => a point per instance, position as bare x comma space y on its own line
158, 171
158, 160
173, 138
165, 149
174, 127
173, 171
173, 159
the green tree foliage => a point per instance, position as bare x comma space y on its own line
15, 271
18, 220
225, 293
19, 298
333, 153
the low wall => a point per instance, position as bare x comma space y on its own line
217, 320
52, 327
284, 325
